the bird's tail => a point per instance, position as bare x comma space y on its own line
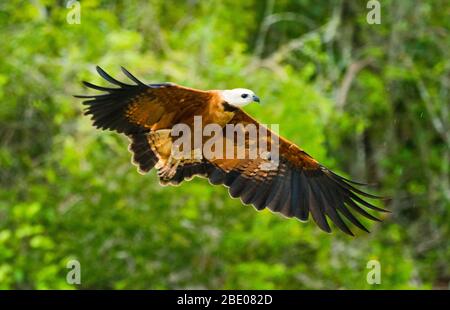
143, 156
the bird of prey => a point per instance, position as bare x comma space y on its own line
296, 187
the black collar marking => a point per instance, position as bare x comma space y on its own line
228, 107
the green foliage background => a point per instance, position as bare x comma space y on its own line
370, 101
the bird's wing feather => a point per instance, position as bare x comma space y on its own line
299, 186
133, 108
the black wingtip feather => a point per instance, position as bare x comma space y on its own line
339, 202
101, 88
354, 189
108, 109
324, 169
110, 79
331, 205
132, 77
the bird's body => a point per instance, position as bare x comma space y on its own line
295, 187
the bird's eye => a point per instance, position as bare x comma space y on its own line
244, 95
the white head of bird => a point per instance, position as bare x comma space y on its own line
239, 97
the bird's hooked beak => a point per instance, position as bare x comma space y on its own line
255, 98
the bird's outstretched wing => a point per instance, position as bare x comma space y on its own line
299, 185
132, 108
136, 109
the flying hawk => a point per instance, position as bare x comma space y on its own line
296, 187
